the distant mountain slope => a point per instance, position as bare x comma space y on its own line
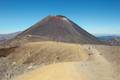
112, 39
58, 28
4, 37
108, 37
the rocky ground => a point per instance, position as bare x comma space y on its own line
98, 62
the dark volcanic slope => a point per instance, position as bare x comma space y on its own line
58, 28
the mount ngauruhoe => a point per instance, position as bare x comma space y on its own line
58, 28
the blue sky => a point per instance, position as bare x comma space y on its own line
95, 16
